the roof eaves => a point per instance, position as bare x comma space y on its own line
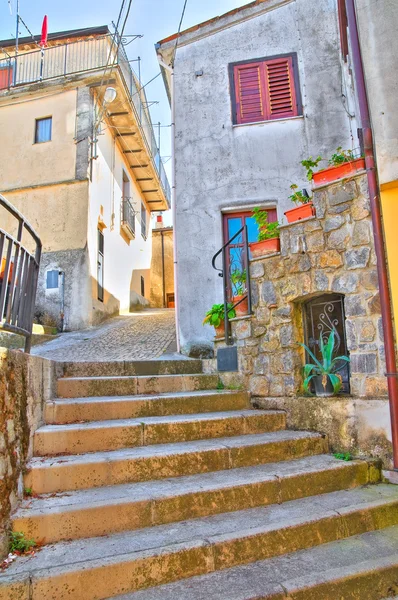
87, 31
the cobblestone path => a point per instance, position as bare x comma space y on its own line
137, 336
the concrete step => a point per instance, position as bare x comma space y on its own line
133, 367
82, 387
63, 473
106, 566
363, 567
128, 407
97, 436
105, 510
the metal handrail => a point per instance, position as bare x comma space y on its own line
223, 251
19, 272
80, 57
128, 214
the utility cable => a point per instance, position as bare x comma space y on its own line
178, 34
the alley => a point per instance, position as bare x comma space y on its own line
136, 336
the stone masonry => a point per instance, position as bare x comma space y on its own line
330, 253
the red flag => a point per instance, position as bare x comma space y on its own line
44, 33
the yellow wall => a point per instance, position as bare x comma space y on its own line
389, 199
58, 213
24, 163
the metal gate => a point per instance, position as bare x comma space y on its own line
322, 315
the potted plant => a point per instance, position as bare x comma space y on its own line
238, 284
304, 207
342, 164
325, 374
215, 317
268, 234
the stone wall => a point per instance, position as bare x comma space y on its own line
162, 266
330, 253
26, 383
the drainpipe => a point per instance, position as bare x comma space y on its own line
375, 204
163, 273
173, 199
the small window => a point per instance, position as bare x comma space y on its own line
43, 130
52, 280
264, 90
143, 221
142, 287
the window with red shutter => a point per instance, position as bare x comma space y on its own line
265, 89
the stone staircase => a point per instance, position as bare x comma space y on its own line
149, 483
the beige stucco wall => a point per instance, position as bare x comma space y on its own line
58, 213
124, 260
25, 163
156, 266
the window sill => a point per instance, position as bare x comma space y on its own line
236, 125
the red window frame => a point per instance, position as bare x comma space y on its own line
265, 89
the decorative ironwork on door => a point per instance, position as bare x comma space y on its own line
321, 316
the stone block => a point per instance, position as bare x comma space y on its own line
319, 201
340, 194
369, 280
286, 335
360, 209
313, 225
285, 242
269, 344
263, 315
367, 331
282, 363
351, 335
357, 259
259, 386
258, 331
339, 208
374, 305
277, 387
297, 243
361, 234
339, 239
315, 241
299, 263
288, 288
346, 283
262, 364
268, 295
255, 293
333, 223
364, 363
330, 259
376, 387
256, 269
243, 329
275, 268
321, 281
354, 306
284, 312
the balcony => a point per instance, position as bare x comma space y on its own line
87, 56
127, 220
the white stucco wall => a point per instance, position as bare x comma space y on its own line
124, 262
221, 165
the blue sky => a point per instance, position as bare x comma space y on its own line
155, 19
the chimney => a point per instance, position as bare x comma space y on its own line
159, 222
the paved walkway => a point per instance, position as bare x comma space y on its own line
136, 336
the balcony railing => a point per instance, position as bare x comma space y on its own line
19, 271
128, 217
80, 57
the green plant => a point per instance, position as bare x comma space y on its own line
329, 366
238, 280
310, 164
28, 492
215, 316
19, 544
266, 230
220, 385
343, 456
297, 196
341, 156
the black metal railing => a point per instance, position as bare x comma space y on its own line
128, 215
236, 276
80, 57
19, 272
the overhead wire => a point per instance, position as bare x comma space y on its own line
178, 33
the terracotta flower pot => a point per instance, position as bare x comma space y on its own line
304, 211
348, 169
265, 247
242, 308
220, 330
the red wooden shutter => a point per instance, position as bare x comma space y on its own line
5, 77
250, 93
280, 86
